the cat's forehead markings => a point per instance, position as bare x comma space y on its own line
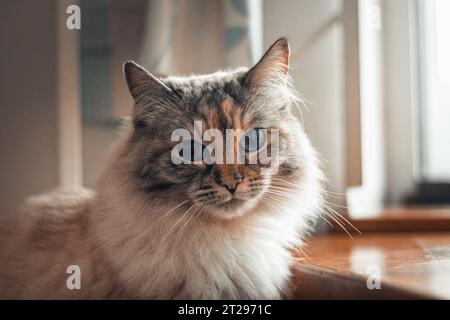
226, 114
233, 112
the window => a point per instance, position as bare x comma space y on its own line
405, 105
434, 48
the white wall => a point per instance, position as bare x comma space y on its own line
318, 71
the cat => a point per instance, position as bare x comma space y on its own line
153, 229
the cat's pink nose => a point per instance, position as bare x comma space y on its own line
228, 177
232, 186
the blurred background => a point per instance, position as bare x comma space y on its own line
374, 75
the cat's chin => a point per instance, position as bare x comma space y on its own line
232, 209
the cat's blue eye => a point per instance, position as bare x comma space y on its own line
253, 140
191, 151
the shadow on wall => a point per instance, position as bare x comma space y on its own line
28, 110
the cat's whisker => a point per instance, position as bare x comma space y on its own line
191, 218
302, 252
275, 181
329, 208
337, 214
297, 188
339, 223
335, 205
280, 193
283, 194
183, 216
301, 187
280, 188
168, 213
268, 203
290, 190
326, 220
277, 197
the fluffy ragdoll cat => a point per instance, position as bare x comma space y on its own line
153, 229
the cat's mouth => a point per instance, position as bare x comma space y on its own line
233, 203
232, 207
226, 203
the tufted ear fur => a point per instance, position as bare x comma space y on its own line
141, 82
273, 65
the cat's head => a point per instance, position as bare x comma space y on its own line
174, 116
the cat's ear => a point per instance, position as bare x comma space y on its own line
273, 65
141, 82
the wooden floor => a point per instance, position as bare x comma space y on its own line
410, 266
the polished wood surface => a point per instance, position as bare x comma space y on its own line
414, 265
406, 219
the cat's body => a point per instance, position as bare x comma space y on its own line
38, 244
154, 230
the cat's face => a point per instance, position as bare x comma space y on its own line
251, 108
